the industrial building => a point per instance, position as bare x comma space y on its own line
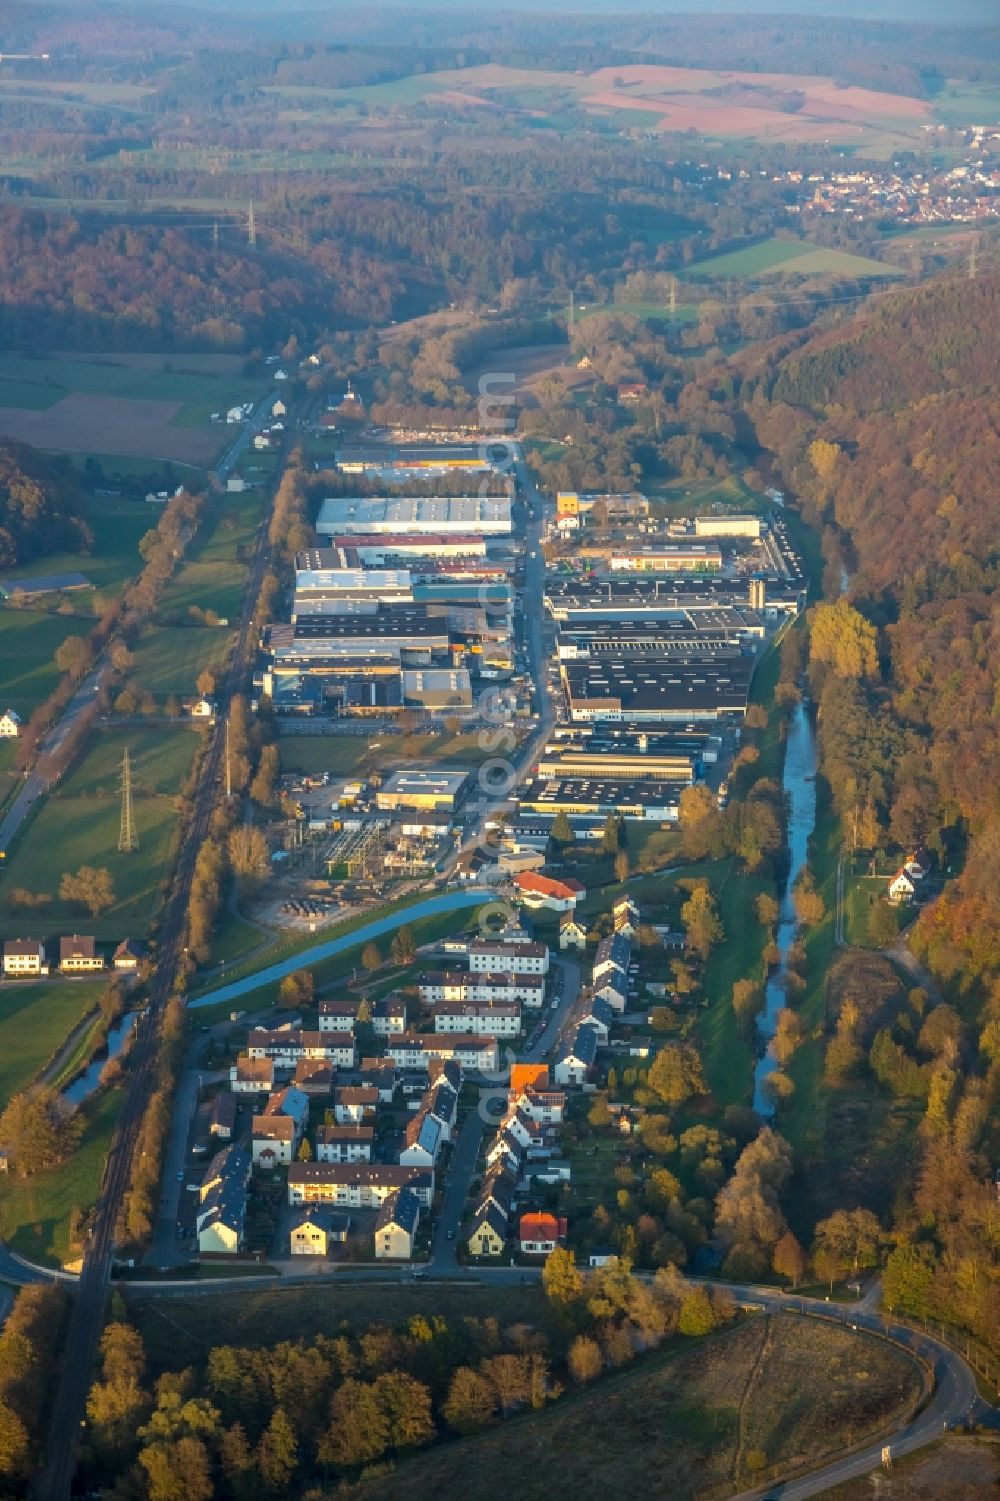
595, 797
397, 462
437, 688
656, 689
401, 515
437, 787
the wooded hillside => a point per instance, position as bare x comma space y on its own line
37, 500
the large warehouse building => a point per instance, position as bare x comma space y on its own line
484, 515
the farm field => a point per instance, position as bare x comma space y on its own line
78, 824
730, 104
685, 1421
775, 257
105, 405
35, 1020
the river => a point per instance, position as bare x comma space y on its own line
434, 906
89, 1078
799, 782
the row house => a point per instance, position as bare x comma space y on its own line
344, 1143
575, 1059
546, 1106
487, 955
288, 1044
415, 1050
356, 1185
422, 1140
396, 1226
456, 985
337, 1016
483, 1018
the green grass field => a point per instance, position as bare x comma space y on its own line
312, 754
212, 576
786, 257
34, 1212
968, 104
168, 659
35, 1020
28, 643
78, 824
38, 383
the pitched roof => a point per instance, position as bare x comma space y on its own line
76, 947
401, 1208
489, 1214
541, 1227
530, 880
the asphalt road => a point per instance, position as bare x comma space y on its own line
55, 1481
40, 778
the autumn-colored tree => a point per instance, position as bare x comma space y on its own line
788, 1259
840, 637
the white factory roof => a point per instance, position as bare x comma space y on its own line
401, 514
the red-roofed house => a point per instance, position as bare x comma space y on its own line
538, 891
539, 1234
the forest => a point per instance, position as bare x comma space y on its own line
37, 507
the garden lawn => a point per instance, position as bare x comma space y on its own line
35, 1020
34, 1212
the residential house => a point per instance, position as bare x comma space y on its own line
507, 1152
379, 1075
337, 1016
625, 916
314, 1076
252, 1075
497, 1189
442, 1103
537, 892
422, 1140
24, 956
540, 1234
316, 1230
902, 888
396, 1226
344, 1143
220, 1217
488, 1236
355, 1185
613, 988
612, 958
352, 1103
79, 956
223, 1120
519, 1126
458, 985
576, 1058
553, 1170
277, 1133
600, 1016
630, 390
415, 1050
389, 1016
10, 724
917, 865
546, 1106
489, 955
127, 955
202, 708
484, 1018
572, 932
525, 1075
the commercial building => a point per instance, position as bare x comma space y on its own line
728, 526
668, 557
437, 688
657, 802
432, 788
485, 515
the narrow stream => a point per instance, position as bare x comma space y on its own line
799, 782
88, 1079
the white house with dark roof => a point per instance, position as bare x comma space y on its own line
10, 724
396, 1226
344, 1143
422, 1140
24, 956
576, 1058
